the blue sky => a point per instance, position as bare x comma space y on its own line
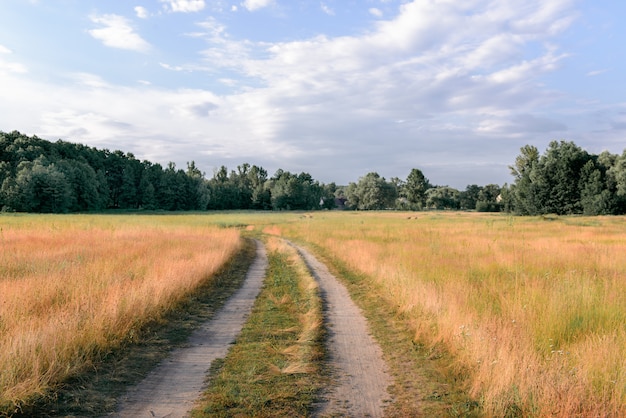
334, 88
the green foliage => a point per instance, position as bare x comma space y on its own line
415, 188
568, 180
372, 192
294, 192
442, 197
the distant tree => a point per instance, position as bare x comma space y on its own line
261, 196
525, 189
414, 189
469, 197
294, 192
41, 187
442, 197
595, 199
83, 185
372, 192
328, 196
489, 199
559, 170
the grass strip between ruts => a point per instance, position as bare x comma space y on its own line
274, 367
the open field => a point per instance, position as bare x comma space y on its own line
532, 310
528, 314
75, 287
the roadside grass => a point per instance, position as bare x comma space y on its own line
528, 314
96, 391
423, 383
273, 369
79, 290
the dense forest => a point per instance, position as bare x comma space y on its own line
37, 175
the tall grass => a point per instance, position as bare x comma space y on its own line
72, 288
532, 310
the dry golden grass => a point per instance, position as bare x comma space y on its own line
532, 309
74, 287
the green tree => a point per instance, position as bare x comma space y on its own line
489, 199
414, 189
372, 192
294, 192
559, 170
595, 199
469, 197
41, 187
525, 189
442, 197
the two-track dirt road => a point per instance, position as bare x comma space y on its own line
173, 387
359, 373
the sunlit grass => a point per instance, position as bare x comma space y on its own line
532, 310
74, 287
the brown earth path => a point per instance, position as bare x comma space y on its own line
173, 387
355, 358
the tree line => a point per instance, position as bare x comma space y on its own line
566, 180
38, 175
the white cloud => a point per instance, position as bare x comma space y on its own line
171, 67
185, 6
326, 9
455, 73
596, 72
376, 12
253, 5
141, 12
10, 66
117, 33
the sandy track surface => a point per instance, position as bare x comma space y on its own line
355, 358
173, 387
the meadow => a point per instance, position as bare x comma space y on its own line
529, 311
74, 288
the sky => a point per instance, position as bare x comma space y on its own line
334, 88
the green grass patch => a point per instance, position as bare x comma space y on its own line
273, 368
96, 391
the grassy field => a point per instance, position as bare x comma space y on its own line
73, 288
525, 316
532, 311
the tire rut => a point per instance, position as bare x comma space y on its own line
172, 388
355, 358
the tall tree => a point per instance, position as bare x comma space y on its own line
414, 189
373, 192
525, 189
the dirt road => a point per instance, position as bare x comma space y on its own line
354, 356
355, 359
172, 388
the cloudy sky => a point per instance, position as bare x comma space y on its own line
336, 88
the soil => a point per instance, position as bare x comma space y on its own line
173, 387
355, 359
